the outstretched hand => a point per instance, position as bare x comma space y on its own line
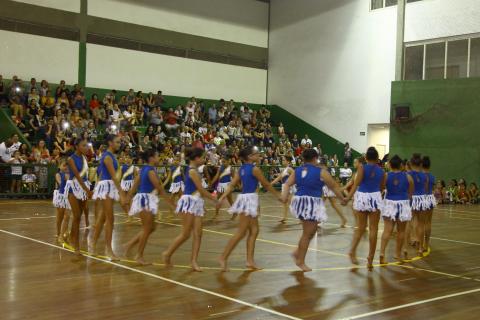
344, 201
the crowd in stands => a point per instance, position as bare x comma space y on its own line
52, 117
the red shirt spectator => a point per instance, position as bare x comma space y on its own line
94, 103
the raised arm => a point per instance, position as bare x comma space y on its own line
257, 173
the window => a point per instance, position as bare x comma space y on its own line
389, 3
475, 58
376, 4
457, 59
435, 61
414, 63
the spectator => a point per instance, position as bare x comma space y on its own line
212, 114
306, 140
171, 121
29, 180
48, 103
16, 172
347, 154
345, 173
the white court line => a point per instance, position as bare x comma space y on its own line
364, 315
456, 241
27, 218
218, 295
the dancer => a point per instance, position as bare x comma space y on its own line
283, 177
107, 190
145, 203
224, 177
420, 203
191, 208
396, 207
177, 186
431, 201
348, 187
128, 172
60, 201
203, 172
246, 205
307, 204
367, 203
78, 189
330, 195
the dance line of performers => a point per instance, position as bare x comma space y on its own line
402, 197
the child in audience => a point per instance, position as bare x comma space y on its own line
16, 172
452, 191
473, 193
462, 194
29, 180
439, 192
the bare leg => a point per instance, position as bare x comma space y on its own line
239, 235
373, 219
86, 212
66, 220
148, 227
217, 210
60, 216
428, 229
420, 231
401, 226
197, 241
334, 204
309, 230
286, 209
98, 229
387, 233
187, 222
97, 210
77, 215
253, 231
362, 218
109, 220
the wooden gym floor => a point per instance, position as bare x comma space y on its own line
42, 280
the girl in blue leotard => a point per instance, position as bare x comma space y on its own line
190, 207
175, 176
78, 189
60, 201
107, 191
367, 204
307, 204
420, 204
224, 177
145, 203
396, 208
246, 205
431, 201
283, 177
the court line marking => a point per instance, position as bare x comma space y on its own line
456, 241
191, 287
27, 218
368, 314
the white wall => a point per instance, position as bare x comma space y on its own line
66, 5
242, 21
332, 61
109, 67
29, 56
379, 137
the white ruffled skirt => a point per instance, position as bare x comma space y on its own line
397, 210
246, 203
144, 202
420, 203
191, 204
105, 189
222, 187
293, 189
126, 185
308, 208
204, 184
367, 201
432, 202
327, 193
74, 187
176, 187
60, 200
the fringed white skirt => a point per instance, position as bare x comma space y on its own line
105, 189
397, 210
60, 200
222, 187
126, 185
176, 187
432, 201
293, 189
307, 208
144, 202
74, 187
204, 183
246, 203
191, 204
367, 201
327, 193
420, 203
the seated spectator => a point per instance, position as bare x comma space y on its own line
29, 180
345, 173
16, 172
39, 124
44, 87
171, 119
306, 140
33, 95
40, 153
473, 193
48, 103
63, 99
439, 192
159, 100
462, 194
16, 107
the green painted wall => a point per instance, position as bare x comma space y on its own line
444, 125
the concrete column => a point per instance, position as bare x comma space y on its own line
400, 52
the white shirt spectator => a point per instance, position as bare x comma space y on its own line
29, 178
345, 173
202, 130
305, 141
190, 109
6, 153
